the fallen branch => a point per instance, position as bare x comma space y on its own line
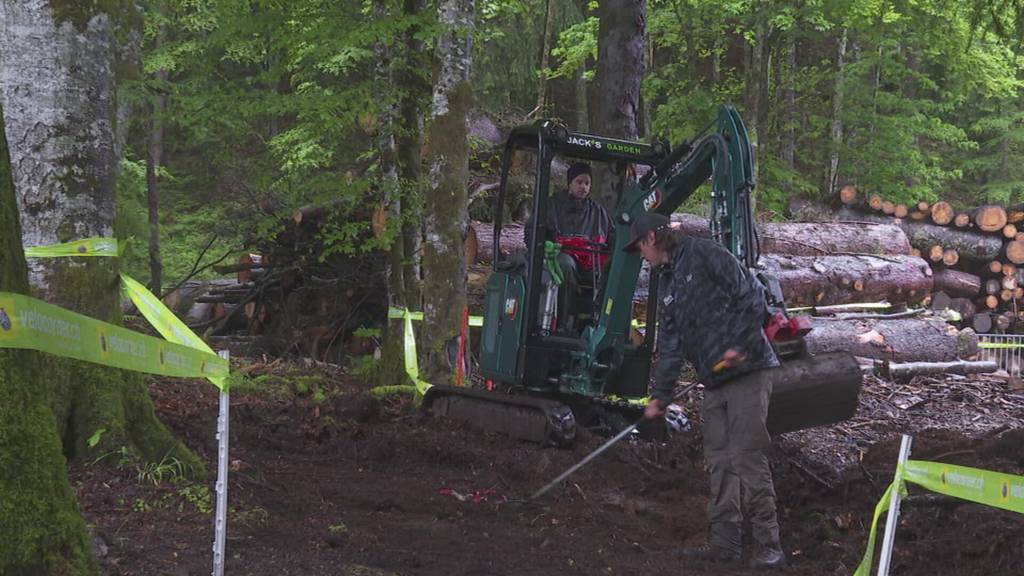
907, 370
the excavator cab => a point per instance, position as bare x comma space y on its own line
534, 321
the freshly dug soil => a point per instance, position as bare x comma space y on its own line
326, 480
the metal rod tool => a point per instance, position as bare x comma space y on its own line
625, 432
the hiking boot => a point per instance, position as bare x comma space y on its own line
768, 558
709, 553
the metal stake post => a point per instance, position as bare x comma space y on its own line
221, 522
894, 512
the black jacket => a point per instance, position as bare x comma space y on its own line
709, 303
567, 216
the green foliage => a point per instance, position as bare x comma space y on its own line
338, 529
198, 495
576, 44
929, 103
256, 517
95, 438
169, 469
131, 221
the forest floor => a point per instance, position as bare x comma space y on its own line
326, 480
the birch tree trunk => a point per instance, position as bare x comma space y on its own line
444, 266
43, 532
789, 77
836, 130
620, 69
153, 160
57, 76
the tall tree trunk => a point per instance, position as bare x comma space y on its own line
788, 133
836, 129
620, 69
153, 160
550, 24
391, 198
43, 532
444, 265
411, 75
57, 76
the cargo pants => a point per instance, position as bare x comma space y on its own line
736, 443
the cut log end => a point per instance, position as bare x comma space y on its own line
848, 194
875, 201
900, 211
889, 208
1010, 231
990, 218
935, 253
962, 220
950, 257
1015, 251
942, 213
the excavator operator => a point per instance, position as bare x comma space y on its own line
584, 230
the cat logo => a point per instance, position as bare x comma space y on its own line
103, 342
1006, 490
161, 356
653, 200
5, 320
82, 249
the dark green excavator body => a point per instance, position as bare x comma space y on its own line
600, 366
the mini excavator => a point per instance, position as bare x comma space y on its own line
545, 378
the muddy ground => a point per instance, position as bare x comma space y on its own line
327, 481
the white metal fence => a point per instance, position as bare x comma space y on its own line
1006, 350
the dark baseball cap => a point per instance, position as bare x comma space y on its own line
646, 222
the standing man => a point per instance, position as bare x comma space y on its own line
712, 313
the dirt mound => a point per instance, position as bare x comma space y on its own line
327, 480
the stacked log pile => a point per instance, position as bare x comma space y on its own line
824, 264
976, 256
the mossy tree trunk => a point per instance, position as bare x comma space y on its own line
620, 69
59, 64
399, 143
444, 266
42, 530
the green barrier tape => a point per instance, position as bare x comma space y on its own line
382, 391
86, 247
994, 489
165, 321
864, 569
397, 313
998, 345
635, 402
32, 324
412, 366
